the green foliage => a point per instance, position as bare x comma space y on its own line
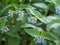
21, 21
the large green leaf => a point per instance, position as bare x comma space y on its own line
49, 36
40, 5
12, 41
56, 28
15, 28
48, 19
52, 1
57, 42
53, 25
45, 35
14, 35
43, 6
31, 26
32, 32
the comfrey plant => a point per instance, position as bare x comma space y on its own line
23, 22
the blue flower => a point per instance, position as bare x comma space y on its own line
58, 11
21, 15
32, 20
5, 30
10, 14
37, 40
43, 42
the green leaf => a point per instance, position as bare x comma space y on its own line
14, 1
12, 41
48, 19
51, 1
58, 17
58, 2
57, 28
40, 5
49, 36
24, 6
5, 2
53, 25
2, 22
31, 26
57, 42
14, 35
15, 28
32, 32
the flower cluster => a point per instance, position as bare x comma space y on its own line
10, 13
32, 20
40, 40
5, 30
58, 11
20, 15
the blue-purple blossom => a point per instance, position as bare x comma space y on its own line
58, 11
10, 14
20, 15
39, 40
5, 30
32, 20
